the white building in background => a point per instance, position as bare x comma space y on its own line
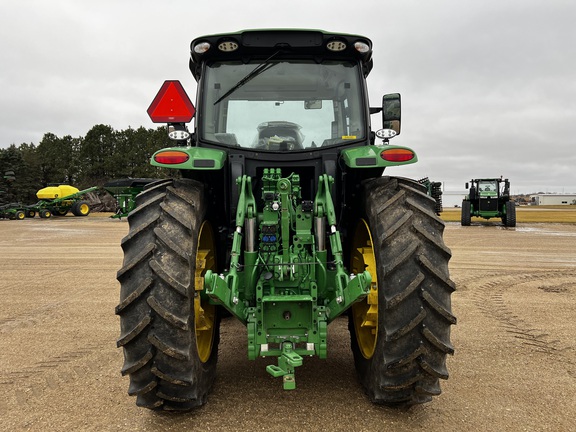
553, 199
453, 198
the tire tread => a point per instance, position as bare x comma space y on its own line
414, 291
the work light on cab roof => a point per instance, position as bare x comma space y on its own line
230, 45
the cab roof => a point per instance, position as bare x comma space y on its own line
248, 45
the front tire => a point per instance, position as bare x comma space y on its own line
401, 332
169, 332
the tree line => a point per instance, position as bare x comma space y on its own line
103, 154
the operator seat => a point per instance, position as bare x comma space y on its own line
279, 135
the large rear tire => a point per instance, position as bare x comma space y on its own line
401, 332
465, 217
169, 332
509, 217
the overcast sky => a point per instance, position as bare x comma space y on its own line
488, 87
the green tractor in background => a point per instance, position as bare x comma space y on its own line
279, 216
125, 192
489, 198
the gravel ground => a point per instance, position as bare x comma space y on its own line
514, 367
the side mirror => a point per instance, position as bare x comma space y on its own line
391, 112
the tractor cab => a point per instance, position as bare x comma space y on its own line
294, 100
488, 187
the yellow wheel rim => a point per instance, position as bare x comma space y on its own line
84, 209
365, 313
204, 312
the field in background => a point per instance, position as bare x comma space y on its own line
524, 214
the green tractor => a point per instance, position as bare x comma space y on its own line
489, 198
279, 216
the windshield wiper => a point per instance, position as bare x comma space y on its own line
255, 72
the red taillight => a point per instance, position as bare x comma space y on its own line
171, 104
397, 155
171, 157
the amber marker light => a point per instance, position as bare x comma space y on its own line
171, 157
201, 47
361, 47
397, 155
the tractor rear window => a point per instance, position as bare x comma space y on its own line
282, 105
